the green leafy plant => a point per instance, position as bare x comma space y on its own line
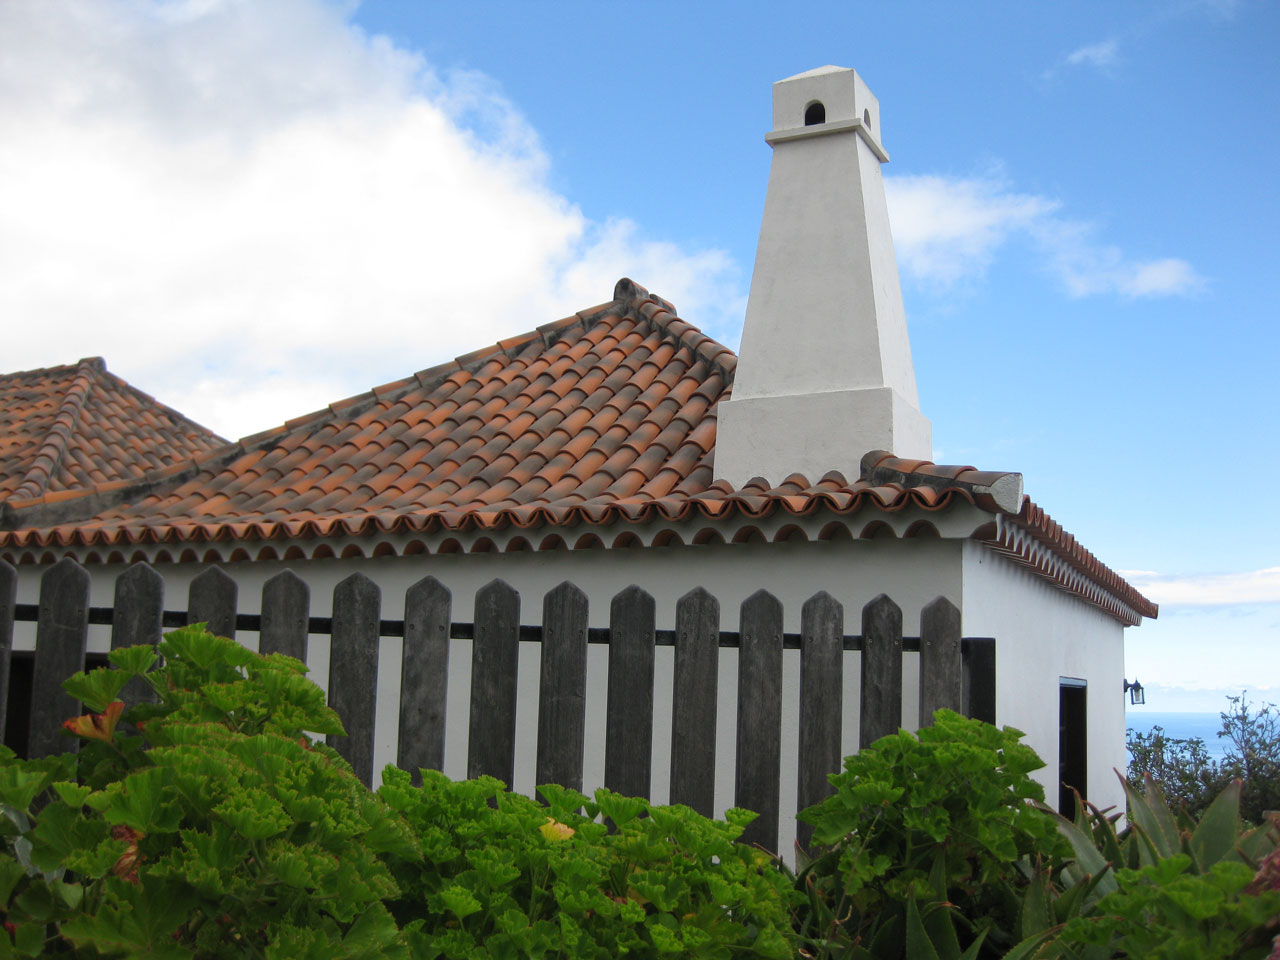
208, 824
1168, 885
505, 876
1168, 911
931, 846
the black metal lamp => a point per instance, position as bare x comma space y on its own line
1136, 693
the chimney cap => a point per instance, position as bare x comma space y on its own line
847, 105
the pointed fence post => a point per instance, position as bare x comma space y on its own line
286, 612
212, 600
8, 603
628, 746
941, 669
821, 692
760, 716
424, 677
693, 704
562, 695
881, 707
353, 670
138, 618
495, 661
61, 632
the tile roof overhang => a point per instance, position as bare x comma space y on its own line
584, 432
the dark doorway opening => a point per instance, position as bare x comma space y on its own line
1073, 744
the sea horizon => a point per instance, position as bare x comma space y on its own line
1182, 725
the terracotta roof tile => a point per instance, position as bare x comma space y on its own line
608, 415
75, 426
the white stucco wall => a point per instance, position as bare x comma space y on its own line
1044, 633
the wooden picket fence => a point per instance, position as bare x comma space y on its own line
955, 672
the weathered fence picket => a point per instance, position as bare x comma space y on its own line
954, 672
760, 716
286, 607
941, 671
8, 608
139, 602
628, 737
495, 659
693, 702
562, 687
424, 674
821, 689
353, 669
881, 702
61, 637
211, 600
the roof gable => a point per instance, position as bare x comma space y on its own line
69, 427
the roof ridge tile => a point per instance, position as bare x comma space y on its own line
50, 453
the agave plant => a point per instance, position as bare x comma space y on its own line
1163, 885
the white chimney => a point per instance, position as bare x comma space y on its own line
824, 372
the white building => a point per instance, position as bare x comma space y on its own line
621, 446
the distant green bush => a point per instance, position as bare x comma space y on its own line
1186, 775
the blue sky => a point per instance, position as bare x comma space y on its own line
253, 209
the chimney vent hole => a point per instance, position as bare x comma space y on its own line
815, 113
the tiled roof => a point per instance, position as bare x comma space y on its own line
69, 427
606, 417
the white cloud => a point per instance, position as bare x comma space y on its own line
254, 209
1101, 55
1219, 589
1155, 278
949, 229
946, 229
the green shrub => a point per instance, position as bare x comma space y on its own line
1167, 911
1169, 885
930, 845
505, 876
210, 825
217, 830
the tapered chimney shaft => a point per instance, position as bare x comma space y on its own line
824, 371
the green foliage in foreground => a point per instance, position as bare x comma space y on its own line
205, 825
938, 846
210, 824
504, 876
1170, 885
932, 841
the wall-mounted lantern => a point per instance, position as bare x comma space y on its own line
1136, 693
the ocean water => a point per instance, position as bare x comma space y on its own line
1182, 726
